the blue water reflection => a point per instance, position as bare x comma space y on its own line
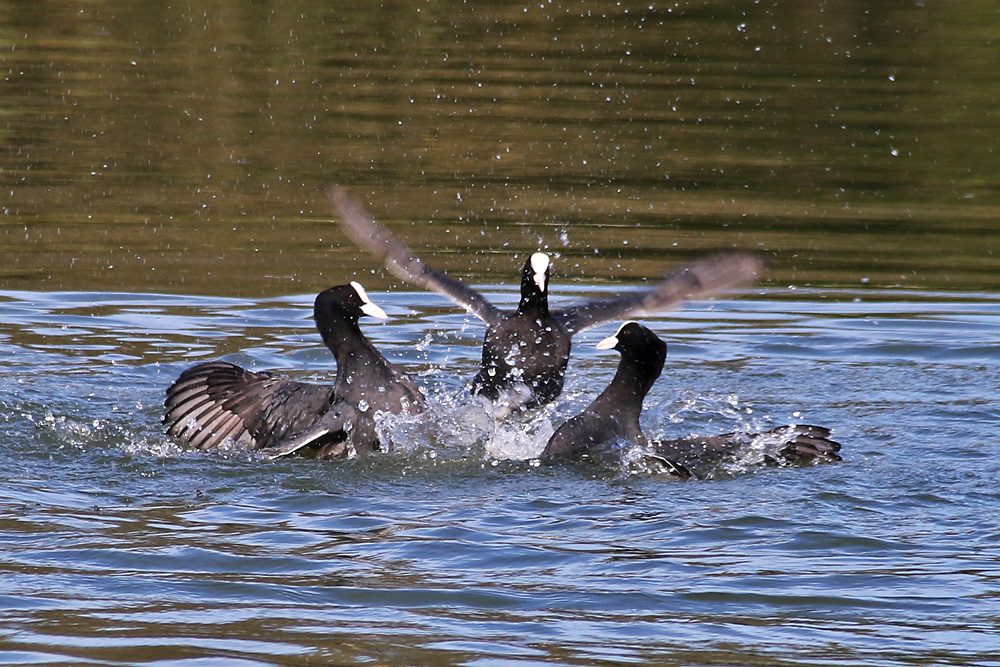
120, 542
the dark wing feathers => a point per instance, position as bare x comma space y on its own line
810, 431
335, 420
194, 410
668, 467
215, 427
401, 261
701, 279
215, 401
812, 443
185, 417
786, 444
229, 427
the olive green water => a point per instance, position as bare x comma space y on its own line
181, 147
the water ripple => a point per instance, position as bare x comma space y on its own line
120, 545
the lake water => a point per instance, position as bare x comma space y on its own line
160, 205
121, 547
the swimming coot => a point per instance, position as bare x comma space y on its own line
614, 416
217, 401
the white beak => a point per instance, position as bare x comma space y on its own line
608, 343
367, 307
372, 310
539, 265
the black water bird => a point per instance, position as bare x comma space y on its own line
217, 401
525, 352
614, 416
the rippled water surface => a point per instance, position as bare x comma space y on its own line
120, 546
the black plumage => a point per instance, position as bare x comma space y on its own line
614, 416
217, 401
795, 443
525, 353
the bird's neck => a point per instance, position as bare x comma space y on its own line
346, 342
534, 303
632, 382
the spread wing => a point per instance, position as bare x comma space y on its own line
400, 260
216, 401
788, 444
807, 443
699, 280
